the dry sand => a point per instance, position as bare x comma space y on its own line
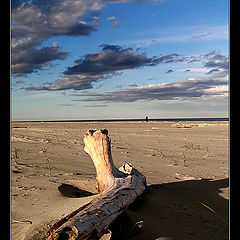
185, 163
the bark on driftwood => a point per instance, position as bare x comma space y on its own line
118, 189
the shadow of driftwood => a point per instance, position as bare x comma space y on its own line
174, 211
69, 190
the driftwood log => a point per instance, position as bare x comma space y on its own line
118, 189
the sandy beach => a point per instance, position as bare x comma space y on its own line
185, 164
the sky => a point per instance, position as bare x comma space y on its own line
113, 59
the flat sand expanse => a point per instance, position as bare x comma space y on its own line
185, 163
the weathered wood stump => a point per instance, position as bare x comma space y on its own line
118, 189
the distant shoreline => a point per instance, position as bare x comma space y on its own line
130, 120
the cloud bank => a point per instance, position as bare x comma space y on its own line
192, 88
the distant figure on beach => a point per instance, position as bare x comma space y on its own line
146, 118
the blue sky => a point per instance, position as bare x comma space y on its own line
108, 59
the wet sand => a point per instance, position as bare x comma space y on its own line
185, 163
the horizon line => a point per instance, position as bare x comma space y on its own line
132, 119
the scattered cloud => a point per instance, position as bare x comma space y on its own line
38, 20
112, 59
103, 65
35, 21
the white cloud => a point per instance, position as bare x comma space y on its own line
218, 91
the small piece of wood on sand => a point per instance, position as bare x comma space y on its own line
118, 189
